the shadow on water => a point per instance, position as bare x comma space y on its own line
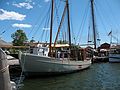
102, 76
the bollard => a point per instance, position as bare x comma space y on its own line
4, 73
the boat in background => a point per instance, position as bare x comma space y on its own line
114, 54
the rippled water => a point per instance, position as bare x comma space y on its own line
100, 76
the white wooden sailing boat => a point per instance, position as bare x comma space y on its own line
42, 62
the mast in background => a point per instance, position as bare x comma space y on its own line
93, 22
51, 26
68, 15
63, 15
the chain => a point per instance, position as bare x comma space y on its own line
4, 69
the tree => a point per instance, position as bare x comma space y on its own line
19, 37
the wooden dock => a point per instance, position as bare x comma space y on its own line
5, 83
14, 65
98, 59
13, 62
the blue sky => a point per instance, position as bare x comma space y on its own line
29, 15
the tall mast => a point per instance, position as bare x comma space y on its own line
93, 22
68, 12
51, 26
60, 24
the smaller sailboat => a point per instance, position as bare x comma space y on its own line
55, 58
114, 54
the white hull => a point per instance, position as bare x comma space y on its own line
40, 64
114, 57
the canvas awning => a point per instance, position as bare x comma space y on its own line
4, 43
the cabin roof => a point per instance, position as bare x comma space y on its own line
115, 46
60, 45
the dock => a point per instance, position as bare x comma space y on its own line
14, 65
98, 59
5, 83
13, 62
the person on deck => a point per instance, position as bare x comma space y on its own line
59, 54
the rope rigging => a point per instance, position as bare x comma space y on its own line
99, 16
61, 27
80, 30
112, 13
45, 29
101, 19
41, 23
56, 11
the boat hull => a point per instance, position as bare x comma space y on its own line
115, 58
34, 64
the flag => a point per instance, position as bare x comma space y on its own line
109, 33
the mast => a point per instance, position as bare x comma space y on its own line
88, 35
51, 26
60, 25
68, 12
93, 22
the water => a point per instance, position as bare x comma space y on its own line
100, 76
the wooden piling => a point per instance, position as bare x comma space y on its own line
4, 73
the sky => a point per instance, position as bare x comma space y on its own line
30, 16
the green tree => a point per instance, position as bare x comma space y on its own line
19, 37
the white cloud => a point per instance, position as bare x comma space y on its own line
24, 5
21, 25
8, 3
46, 0
30, 1
11, 15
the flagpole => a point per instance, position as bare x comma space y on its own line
111, 38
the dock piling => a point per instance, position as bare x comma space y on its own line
4, 72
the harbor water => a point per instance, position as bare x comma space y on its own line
100, 76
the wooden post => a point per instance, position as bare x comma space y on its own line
51, 27
85, 54
4, 73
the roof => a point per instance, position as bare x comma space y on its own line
105, 46
4, 43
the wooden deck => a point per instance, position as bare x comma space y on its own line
14, 67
